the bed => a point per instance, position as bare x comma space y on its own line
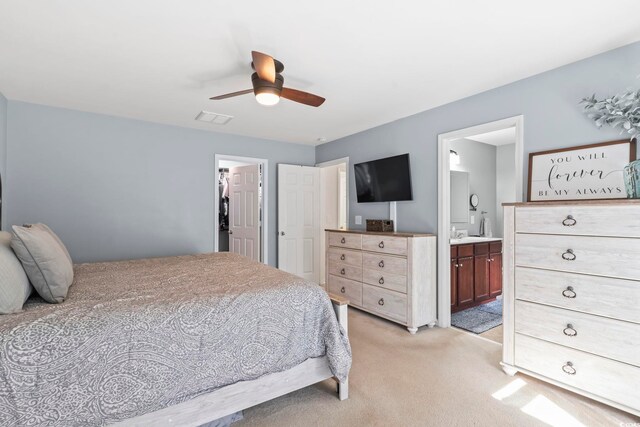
180, 340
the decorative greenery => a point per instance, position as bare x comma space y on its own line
621, 110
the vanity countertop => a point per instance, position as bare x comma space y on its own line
469, 240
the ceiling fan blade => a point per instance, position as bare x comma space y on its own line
302, 97
264, 65
232, 94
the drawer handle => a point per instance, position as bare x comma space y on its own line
343, 240
568, 255
381, 245
569, 292
342, 257
381, 281
569, 369
569, 221
381, 301
570, 331
381, 264
342, 272
342, 290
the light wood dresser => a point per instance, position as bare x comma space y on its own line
391, 275
572, 297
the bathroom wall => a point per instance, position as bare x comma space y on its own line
505, 182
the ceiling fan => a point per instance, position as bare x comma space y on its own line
267, 84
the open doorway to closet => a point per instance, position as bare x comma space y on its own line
240, 206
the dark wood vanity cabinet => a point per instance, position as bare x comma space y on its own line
476, 274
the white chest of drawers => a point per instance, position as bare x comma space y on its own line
571, 291
391, 275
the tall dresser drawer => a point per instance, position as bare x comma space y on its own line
346, 271
345, 256
603, 296
609, 379
387, 303
346, 287
346, 240
605, 256
385, 244
386, 280
621, 221
610, 338
385, 263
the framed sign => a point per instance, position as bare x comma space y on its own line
585, 172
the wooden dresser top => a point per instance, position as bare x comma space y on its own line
382, 233
576, 202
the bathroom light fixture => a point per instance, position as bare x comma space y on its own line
454, 158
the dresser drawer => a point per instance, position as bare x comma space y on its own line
385, 244
604, 377
346, 271
384, 302
604, 256
345, 256
385, 263
610, 338
345, 240
604, 296
594, 220
386, 280
348, 288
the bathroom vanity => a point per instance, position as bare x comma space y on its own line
476, 271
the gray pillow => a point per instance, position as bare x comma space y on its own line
14, 284
45, 260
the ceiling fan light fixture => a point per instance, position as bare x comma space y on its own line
267, 98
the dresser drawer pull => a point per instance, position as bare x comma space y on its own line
342, 290
381, 301
569, 221
569, 292
343, 272
568, 255
381, 264
569, 369
381, 245
342, 257
381, 281
343, 240
570, 331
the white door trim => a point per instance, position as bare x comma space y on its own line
444, 223
334, 162
264, 238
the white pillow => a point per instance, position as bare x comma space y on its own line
14, 284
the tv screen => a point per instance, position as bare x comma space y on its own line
384, 180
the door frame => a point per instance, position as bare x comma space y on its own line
444, 200
264, 177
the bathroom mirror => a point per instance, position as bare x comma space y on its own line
459, 197
474, 200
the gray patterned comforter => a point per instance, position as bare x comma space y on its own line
137, 336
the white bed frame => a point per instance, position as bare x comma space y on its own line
245, 394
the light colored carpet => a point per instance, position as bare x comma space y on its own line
494, 334
439, 377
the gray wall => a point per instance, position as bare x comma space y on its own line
479, 160
116, 188
552, 119
3, 146
505, 182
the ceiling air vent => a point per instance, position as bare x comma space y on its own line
215, 118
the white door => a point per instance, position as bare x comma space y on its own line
244, 211
299, 221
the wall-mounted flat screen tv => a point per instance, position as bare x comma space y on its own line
384, 180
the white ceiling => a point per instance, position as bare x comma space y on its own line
497, 137
374, 61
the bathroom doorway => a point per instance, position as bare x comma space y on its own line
479, 169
